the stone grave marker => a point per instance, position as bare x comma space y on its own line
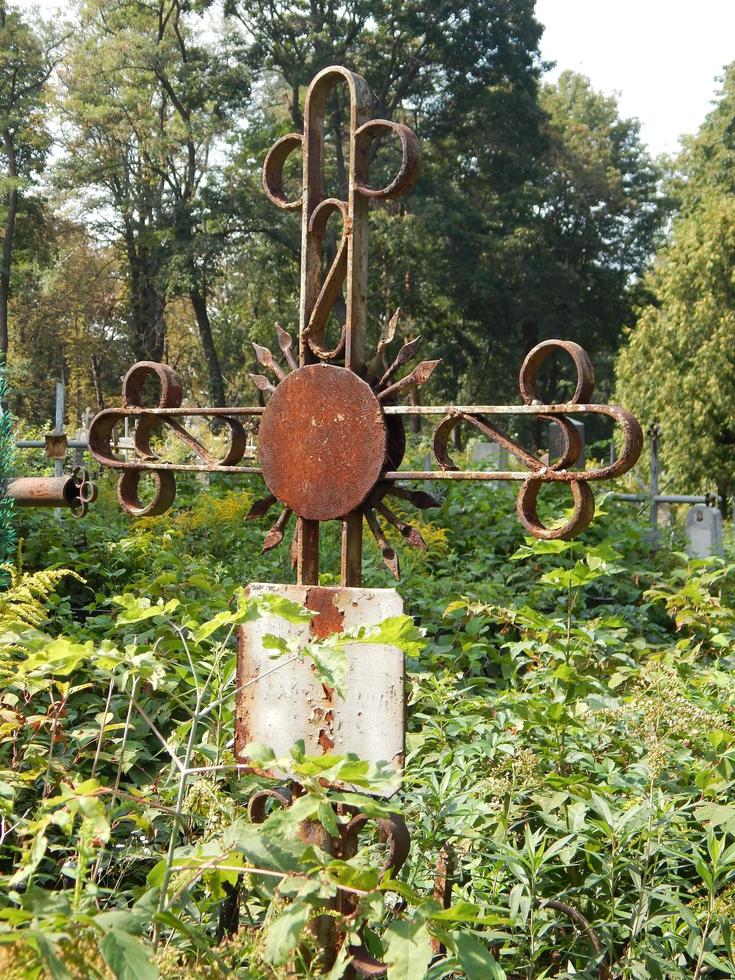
704, 532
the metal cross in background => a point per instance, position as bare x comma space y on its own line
331, 439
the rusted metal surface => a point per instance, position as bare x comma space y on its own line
330, 449
149, 421
348, 270
322, 442
443, 881
292, 704
55, 444
331, 436
75, 491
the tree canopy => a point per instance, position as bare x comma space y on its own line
537, 207
677, 367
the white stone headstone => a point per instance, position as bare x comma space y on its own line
490, 456
704, 532
291, 704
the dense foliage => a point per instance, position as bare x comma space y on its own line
677, 368
7, 457
571, 746
148, 235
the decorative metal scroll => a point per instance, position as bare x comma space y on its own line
349, 267
331, 438
148, 421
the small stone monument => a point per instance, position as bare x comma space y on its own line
704, 532
490, 456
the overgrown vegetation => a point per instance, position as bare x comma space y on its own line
571, 746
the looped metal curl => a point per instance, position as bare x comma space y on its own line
408, 170
528, 378
85, 491
349, 267
258, 802
392, 830
275, 161
148, 420
315, 329
583, 504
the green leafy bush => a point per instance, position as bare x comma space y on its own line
571, 743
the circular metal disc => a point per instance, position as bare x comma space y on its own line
322, 442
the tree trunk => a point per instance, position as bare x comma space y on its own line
12, 206
98, 393
146, 302
724, 489
216, 382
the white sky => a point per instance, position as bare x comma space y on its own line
660, 56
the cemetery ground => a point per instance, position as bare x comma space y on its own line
570, 753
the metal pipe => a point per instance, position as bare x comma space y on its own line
662, 498
74, 491
71, 444
42, 491
41, 444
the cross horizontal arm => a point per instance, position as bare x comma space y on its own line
547, 475
561, 409
216, 412
137, 464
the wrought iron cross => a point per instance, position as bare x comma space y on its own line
331, 439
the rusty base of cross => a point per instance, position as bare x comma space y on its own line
392, 832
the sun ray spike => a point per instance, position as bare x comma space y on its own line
418, 498
419, 376
266, 358
261, 507
404, 355
407, 531
262, 383
285, 342
389, 331
274, 537
387, 334
389, 555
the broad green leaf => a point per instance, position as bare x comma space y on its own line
332, 664
135, 609
398, 631
278, 605
327, 818
206, 629
47, 950
716, 815
475, 959
283, 933
408, 949
127, 957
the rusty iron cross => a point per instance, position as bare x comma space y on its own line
331, 437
